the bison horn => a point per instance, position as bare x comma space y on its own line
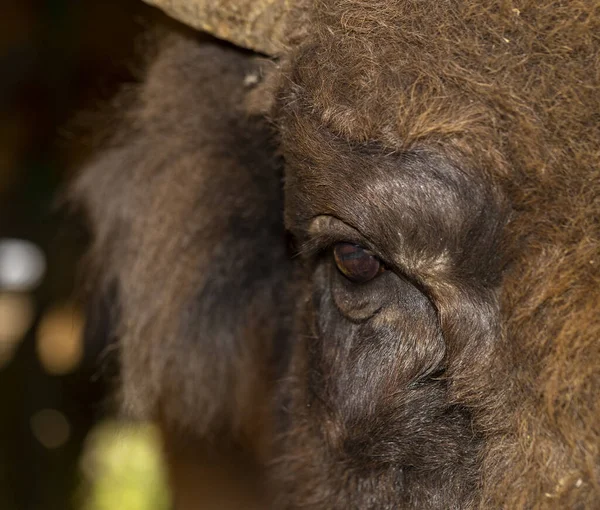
253, 24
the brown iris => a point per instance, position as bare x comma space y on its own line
356, 263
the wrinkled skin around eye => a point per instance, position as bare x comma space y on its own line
356, 263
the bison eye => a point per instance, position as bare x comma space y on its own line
356, 263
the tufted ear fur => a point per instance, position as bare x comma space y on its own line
186, 210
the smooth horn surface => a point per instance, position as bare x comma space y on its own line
254, 24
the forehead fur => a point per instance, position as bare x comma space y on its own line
513, 84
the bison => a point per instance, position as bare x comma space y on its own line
353, 258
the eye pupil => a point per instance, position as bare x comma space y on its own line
356, 263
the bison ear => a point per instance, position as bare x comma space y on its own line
257, 25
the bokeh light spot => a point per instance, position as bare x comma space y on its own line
60, 339
16, 316
22, 265
123, 468
50, 427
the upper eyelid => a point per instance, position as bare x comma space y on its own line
318, 243
325, 230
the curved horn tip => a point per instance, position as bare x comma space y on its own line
253, 24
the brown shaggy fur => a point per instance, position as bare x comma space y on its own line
460, 142
509, 93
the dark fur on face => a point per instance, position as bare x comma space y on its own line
458, 143
375, 362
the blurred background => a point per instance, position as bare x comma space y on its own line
60, 61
